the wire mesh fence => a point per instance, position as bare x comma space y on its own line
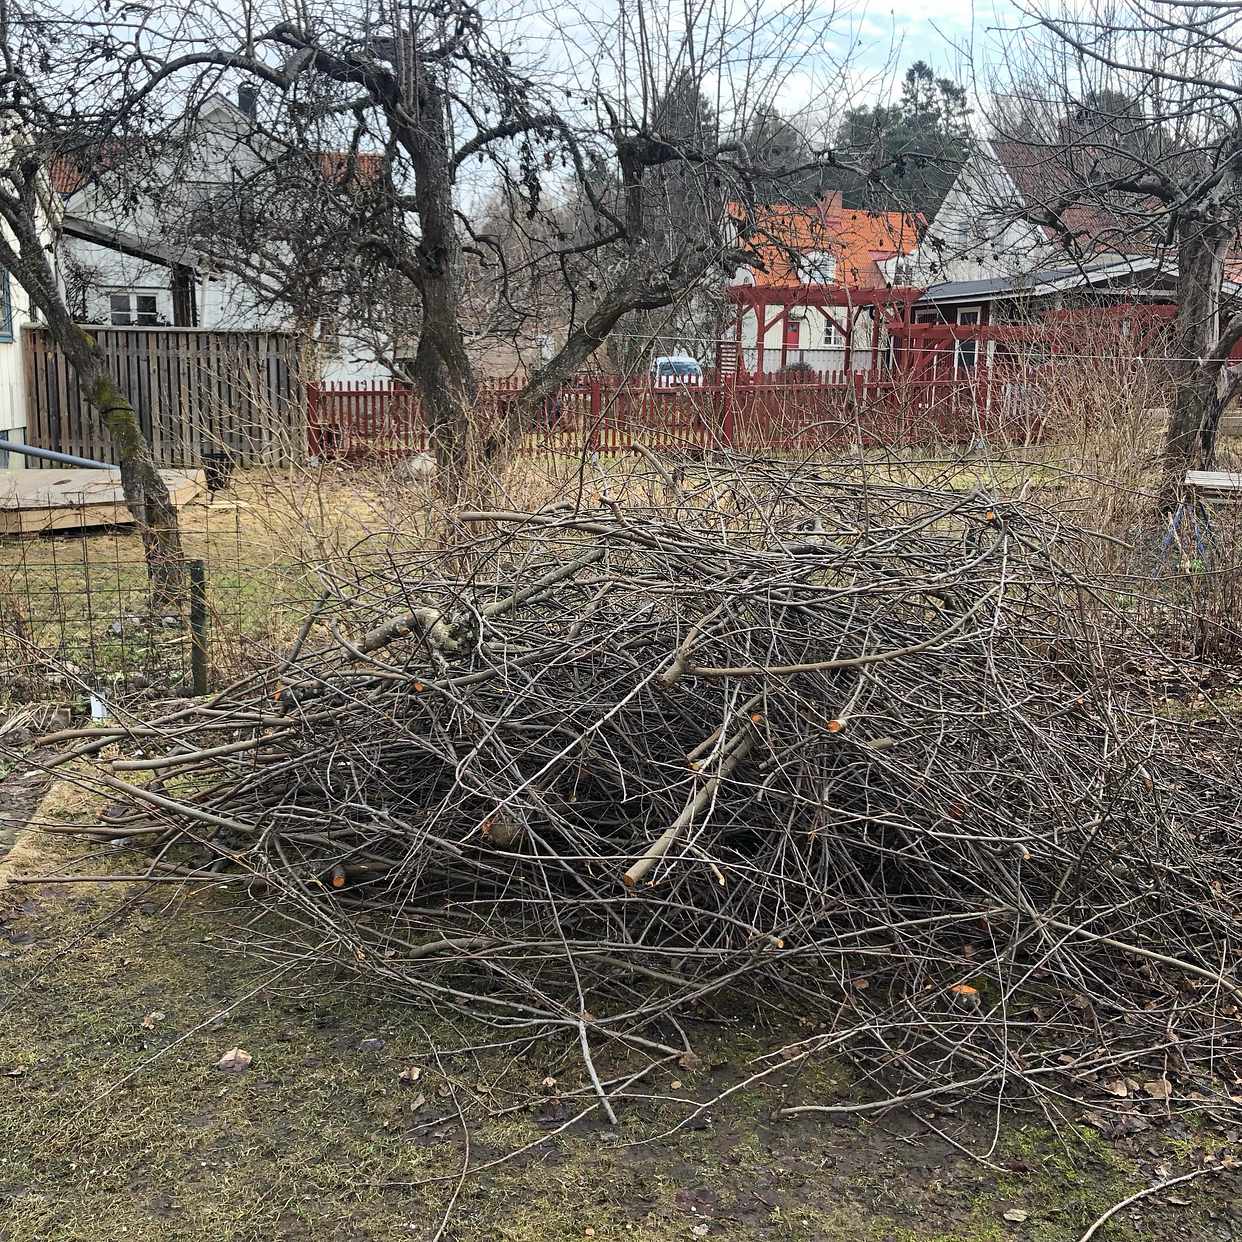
77, 624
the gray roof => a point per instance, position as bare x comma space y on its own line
1046, 281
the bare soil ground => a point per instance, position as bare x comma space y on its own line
119, 999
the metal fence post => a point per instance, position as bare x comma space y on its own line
198, 626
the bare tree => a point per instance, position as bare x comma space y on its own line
456, 107
1131, 125
58, 106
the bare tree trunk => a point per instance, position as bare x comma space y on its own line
146, 493
441, 366
1189, 440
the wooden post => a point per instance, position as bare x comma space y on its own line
198, 626
312, 420
597, 406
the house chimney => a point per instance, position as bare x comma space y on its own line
248, 100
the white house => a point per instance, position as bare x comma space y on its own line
16, 312
126, 268
983, 247
785, 322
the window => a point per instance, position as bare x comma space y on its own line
129, 309
833, 339
967, 351
817, 267
6, 309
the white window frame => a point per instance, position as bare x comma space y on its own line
834, 338
133, 315
817, 267
967, 349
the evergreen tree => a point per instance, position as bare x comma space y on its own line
918, 143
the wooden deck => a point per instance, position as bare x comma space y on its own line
1219, 485
34, 501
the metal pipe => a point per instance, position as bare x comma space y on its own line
63, 459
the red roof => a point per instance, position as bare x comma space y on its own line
64, 175
1045, 172
366, 165
67, 176
857, 241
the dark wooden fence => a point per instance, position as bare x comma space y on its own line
196, 391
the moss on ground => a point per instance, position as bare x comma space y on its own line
119, 1002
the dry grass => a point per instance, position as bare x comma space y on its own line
271, 540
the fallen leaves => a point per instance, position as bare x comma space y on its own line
1158, 1088
410, 1075
1016, 1215
235, 1061
153, 1019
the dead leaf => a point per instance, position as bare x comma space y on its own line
1017, 1215
235, 1061
689, 1061
1117, 1087
150, 1021
861, 985
676, 1084
410, 1075
1159, 1088
549, 1083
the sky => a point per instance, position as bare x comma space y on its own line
817, 56
953, 36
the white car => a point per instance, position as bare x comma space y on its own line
676, 371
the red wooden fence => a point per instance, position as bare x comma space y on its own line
942, 403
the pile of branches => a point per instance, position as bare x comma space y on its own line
860, 753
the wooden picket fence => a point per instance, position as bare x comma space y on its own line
196, 391
942, 405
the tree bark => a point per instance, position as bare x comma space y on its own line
146, 493
1202, 237
441, 368
25, 257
